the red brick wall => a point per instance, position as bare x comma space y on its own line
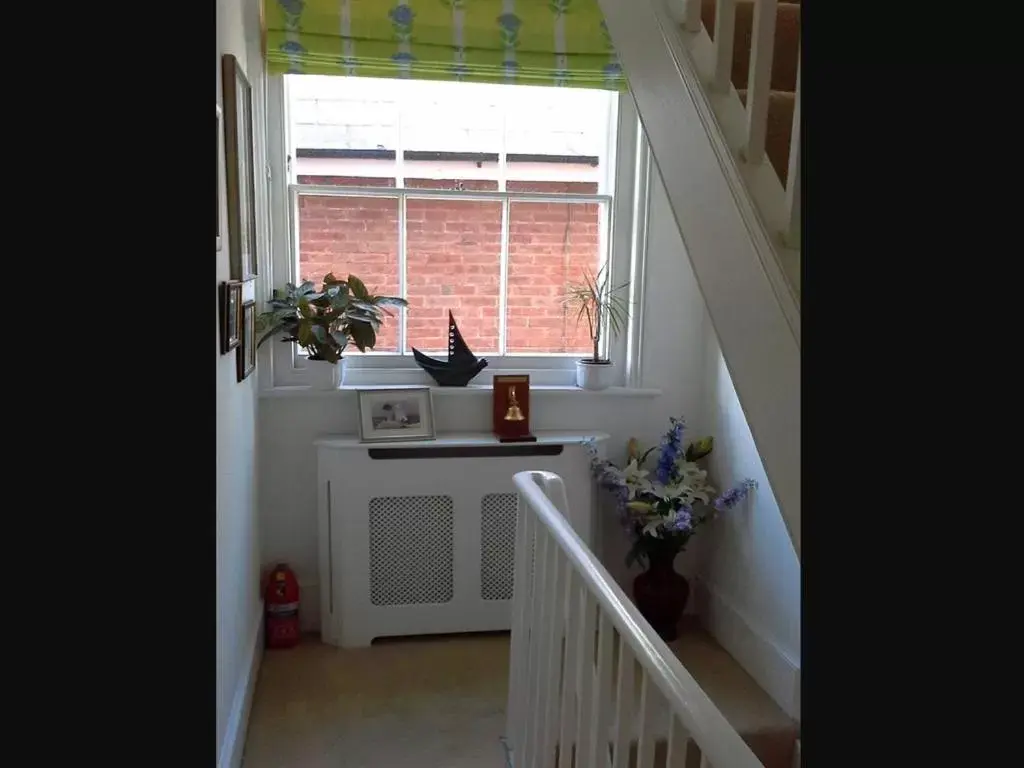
453, 261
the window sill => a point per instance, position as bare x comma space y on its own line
477, 390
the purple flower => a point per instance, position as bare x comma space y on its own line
734, 495
671, 445
683, 521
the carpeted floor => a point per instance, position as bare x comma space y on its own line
434, 702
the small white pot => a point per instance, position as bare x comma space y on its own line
325, 376
594, 376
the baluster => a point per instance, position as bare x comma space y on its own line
759, 81
553, 630
791, 236
725, 35
677, 740
624, 705
534, 666
521, 587
645, 738
567, 726
585, 676
603, 699
693, 15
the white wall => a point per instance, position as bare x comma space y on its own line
749, 567
238, 603
672, 363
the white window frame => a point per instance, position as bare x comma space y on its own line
282, 365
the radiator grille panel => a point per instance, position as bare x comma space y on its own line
497, 545
412, 550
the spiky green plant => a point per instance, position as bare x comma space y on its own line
597, 303
322, 322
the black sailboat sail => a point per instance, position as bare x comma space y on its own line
462, 365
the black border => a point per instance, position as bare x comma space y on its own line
112, 512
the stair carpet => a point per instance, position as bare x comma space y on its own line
785, 59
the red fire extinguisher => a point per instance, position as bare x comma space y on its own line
281, 601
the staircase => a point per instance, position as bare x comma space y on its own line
717, 87
591, 685
785, 64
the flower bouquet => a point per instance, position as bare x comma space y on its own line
662, 508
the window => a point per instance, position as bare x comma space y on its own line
486, 200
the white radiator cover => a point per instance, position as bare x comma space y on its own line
419, 537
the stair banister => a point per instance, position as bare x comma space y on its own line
562, 598
752, 309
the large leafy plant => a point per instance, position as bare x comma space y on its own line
596, 302
324, 321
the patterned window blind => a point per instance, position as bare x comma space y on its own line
526, 42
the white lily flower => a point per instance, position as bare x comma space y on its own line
651, 529
633, 473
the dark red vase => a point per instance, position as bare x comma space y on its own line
661, 593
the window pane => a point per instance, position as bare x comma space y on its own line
557, 135
449, 179
453, 262
554, 187
341, 127
347, 181
550, 246
352, 235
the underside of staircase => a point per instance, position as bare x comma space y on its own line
785, 60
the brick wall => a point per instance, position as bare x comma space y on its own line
453, 260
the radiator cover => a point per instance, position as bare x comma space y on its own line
419, 538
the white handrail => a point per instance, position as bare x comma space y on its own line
544, 496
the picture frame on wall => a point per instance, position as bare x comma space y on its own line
388, 415
240, 169
219, 129
230, 315
246, 351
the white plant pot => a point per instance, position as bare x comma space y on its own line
594, 376
325, 376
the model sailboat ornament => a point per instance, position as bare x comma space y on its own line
462, 365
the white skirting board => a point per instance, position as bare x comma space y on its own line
772, 667
238, 721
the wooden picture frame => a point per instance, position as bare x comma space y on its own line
403, 413
219, 129
240, 169
246, 352
230, 315
510, 407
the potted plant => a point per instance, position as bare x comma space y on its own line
662, 510
324, 321
599, 304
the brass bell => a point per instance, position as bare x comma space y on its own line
514, 413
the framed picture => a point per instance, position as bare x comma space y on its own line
230, 315
218, 175
406, 413
246, 352
240, 174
